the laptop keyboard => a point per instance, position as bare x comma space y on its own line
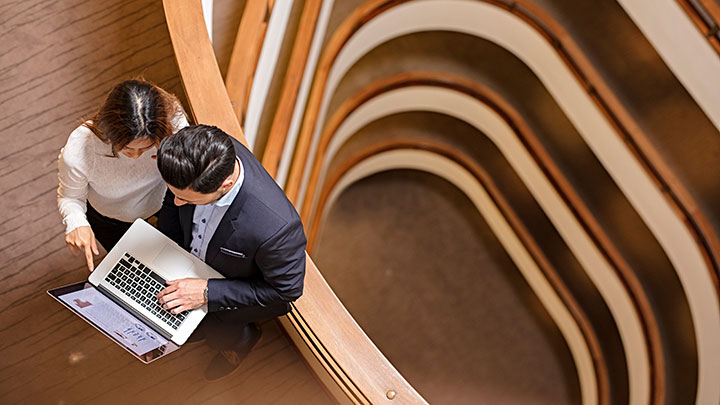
142, 285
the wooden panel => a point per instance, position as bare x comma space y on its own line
291, 85
246, 51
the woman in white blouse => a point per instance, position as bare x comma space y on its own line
108, 176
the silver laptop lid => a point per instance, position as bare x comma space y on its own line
145, 252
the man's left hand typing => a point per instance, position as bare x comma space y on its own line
183, 295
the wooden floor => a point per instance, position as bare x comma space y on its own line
58, 59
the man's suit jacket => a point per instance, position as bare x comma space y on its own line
259, 245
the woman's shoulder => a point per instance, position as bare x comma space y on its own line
82, 144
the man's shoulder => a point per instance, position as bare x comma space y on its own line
264, 201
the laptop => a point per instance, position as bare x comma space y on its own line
119, 297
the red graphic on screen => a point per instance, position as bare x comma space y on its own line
82, 304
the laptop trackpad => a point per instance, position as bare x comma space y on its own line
170, 261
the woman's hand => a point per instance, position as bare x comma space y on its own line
82, 239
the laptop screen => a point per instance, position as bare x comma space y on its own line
114, 321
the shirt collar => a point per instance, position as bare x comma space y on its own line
229, 197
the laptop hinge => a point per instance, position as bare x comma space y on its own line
154, 325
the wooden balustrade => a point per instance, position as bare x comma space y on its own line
705, 14
560, 287
293, 77
245, 54
332, 343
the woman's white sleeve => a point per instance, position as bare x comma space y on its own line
72, 189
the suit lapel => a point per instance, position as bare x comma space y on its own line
224, 231
229, 223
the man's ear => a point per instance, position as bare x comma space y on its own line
228, 182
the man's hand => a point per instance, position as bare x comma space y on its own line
183, 295
82, 239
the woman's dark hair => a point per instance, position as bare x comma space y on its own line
200, 157
134, 109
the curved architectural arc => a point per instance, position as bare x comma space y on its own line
691, 58
499, 26
351, 116
465, 181
439, 148
486, 120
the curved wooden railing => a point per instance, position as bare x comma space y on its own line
541, 156
335, 347
293, 77
355, 22
513, 219
522, 130
705, 14
638, 143
627, 129
245, 54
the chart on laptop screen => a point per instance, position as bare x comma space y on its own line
106, 315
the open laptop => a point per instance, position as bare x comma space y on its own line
119, 297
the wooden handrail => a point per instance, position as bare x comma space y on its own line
327, 336
551, 274
293, 78
245, 53
637, 142
541, 157
706, 20
199, 71
713, 8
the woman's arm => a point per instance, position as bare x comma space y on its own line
72, 193
72, 186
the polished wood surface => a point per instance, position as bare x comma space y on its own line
59, 60
638, 142
201, 78
705, 14
343, 357
244, 57
293, 77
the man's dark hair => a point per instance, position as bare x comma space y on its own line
200, 157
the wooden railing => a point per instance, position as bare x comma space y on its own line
705, 14
550, 273
293, 77
626, 128
638, 143
536, 150
335, 347
245, 54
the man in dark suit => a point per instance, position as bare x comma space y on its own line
223, 207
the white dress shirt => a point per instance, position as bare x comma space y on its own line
206, 218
